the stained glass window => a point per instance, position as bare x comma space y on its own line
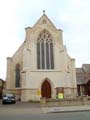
51, 55
45, 57
38, 55
17, 76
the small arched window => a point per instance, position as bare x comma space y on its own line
45, 57
17, 75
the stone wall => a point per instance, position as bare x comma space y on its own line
65, 102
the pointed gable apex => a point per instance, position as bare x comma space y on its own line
44, 20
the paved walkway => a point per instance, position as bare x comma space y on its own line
66, 109
35, 108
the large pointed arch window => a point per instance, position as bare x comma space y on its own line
17, 76
45, 57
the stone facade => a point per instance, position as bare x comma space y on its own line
33, 81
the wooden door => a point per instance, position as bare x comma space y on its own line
46, 89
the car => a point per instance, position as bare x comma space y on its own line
8, 98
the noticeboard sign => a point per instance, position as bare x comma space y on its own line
38, 92
60, 96
0, 83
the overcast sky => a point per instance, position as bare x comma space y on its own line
72, 16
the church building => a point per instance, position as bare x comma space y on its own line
41, 67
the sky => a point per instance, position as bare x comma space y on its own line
72, 16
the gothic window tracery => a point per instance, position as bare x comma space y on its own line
45, 57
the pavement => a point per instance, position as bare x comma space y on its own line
66, 109
36, 108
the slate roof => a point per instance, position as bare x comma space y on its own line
82, 74
86, 67
79, 70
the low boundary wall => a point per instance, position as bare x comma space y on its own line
65, 102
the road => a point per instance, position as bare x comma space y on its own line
27, 111
51, 116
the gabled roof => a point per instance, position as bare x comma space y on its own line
86, 68
87, 80
82, 74
80, 80
44, 20
79, 70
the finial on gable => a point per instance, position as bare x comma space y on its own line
43, 11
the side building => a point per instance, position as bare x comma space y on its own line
2, 87
41, 67
83, 80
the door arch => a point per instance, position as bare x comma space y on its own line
46, 89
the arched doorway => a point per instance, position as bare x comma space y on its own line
46, 89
